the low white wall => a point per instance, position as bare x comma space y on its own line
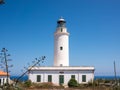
55, 76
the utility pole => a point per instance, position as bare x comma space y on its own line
115, 72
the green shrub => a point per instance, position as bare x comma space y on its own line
27, 83
72, 83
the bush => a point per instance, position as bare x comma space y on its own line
73, 83
27, 83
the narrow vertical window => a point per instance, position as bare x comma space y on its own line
38, 78
0, 81
3, 81
73, 76
49, 78
83, 78
61, 48
61, 30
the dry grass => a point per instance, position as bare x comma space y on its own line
100, 88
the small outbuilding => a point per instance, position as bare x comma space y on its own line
3, 77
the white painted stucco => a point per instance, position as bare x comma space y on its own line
61, 39
66, 71
3, 80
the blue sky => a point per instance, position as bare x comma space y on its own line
27, 27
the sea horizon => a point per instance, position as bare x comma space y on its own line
25, 78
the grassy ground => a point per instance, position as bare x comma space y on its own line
72, 89
61, 88
96, 85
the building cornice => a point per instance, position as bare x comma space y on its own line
64, 68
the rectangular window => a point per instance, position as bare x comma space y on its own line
61, 79
83, 78
38, 78
49, 78
73, 76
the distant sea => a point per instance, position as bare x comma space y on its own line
25, 78
106, 77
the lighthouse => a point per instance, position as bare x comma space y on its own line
60, 72
61, 44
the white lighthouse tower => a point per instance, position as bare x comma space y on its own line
61, 44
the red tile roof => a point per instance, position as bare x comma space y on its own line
3, 73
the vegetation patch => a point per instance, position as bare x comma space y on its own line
73, 83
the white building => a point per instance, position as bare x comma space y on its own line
3, 78
61, 72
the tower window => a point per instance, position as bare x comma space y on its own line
61, 65
61, 48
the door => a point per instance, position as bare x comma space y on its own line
49, 78
61, 79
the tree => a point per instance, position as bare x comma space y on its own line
72, 83
4, 60
2, 2
28, 69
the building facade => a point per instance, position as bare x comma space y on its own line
61, 72
61, 75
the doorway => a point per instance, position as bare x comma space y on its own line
61, 79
